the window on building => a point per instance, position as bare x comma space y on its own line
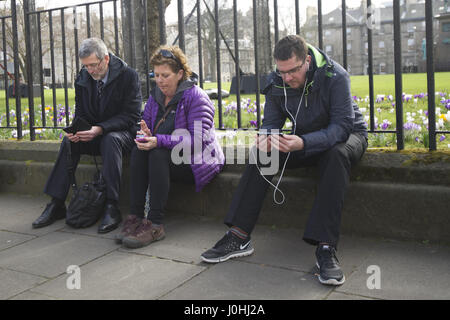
411, 28
349, 48
329, 49
411, 44
387, 28
382, 68
446, 27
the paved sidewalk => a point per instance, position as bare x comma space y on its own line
34, 263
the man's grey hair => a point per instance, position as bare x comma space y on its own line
93, 45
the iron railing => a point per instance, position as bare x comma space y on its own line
199, 5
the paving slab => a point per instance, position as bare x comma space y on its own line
13, 282
239, 280
185, 240
50, 255
18, 212
11, 239
285, 248
407, 271
121, 275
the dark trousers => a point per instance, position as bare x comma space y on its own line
154, 170
324, 220
111, 147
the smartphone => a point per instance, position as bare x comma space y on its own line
78, 124
141, 138
269, 132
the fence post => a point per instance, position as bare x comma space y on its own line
181, 41
237, 65
344, 35
199, 43
430, 76
219, 79
26, 9
398, 76
162, 23
320, 22
255, 35
17, 90
370, 71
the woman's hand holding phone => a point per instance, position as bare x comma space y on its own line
144, 139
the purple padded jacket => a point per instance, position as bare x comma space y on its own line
194, 111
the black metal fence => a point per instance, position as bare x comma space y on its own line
48, 16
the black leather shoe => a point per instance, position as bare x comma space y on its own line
52, 212
111, 219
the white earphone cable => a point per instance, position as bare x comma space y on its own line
277, 189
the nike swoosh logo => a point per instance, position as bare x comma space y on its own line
242, 247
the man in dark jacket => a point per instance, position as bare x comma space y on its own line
108, 97
329, 131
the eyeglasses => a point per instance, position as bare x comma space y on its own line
93, 65
168, 54
290, 72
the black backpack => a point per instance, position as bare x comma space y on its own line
88, 201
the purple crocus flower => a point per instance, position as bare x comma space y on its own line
411, 126
442, 138
253, 123
385, 125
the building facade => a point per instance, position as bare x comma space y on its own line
413, 34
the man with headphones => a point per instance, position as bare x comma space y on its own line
329, 132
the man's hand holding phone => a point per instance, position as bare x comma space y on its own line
287, 143
81, 130
89, 135
267, 140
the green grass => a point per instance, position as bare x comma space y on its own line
48, 97
412, 84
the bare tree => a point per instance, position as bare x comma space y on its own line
5, 11
134, 16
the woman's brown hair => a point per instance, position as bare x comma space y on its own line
176, 62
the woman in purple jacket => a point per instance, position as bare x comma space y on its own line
176, 142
